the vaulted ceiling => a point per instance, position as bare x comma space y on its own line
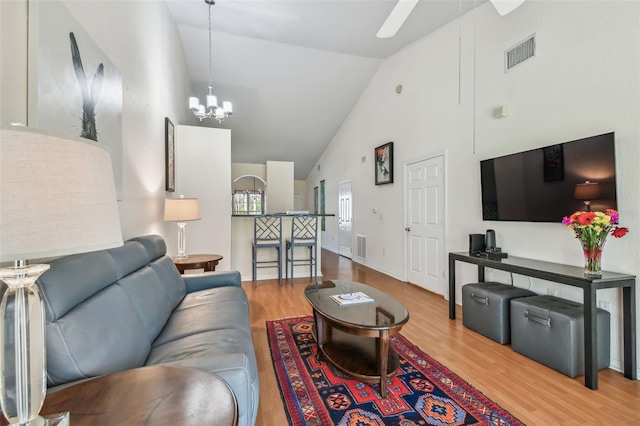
293, 69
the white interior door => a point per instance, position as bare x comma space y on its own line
345, 219
425, 223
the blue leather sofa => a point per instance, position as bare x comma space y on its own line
128, 307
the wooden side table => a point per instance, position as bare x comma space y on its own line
159, 395
208, 262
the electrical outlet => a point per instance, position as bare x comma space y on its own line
604, 305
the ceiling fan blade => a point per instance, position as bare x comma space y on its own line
396, 18
506, 6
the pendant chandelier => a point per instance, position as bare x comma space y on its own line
212, 110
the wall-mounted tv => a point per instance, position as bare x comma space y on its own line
546, 184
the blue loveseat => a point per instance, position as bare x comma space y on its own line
128, 307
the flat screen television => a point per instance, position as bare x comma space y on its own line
546, 184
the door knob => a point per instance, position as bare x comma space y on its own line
407, 229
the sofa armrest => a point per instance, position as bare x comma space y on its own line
207, 280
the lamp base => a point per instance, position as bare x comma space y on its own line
58, 419
181, 256
23, 382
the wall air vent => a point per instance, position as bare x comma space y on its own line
520, 53
361, 251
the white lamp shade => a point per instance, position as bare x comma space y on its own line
181, 209
212, 102
228, 108
57, 196
194, 103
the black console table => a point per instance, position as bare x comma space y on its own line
573, 276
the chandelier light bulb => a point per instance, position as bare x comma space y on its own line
227, 107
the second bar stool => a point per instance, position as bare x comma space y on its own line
304, 233
267, 233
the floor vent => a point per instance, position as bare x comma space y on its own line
361, 252
520, 53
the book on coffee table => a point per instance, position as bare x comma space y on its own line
351, 298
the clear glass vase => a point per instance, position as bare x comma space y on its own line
23, 382
592, 255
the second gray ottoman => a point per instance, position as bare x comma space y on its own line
550, 330
485, 308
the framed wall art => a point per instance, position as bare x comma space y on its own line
384, 163
74, 89
553, 163
170, 152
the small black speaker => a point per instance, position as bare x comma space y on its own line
490, 240
476, 243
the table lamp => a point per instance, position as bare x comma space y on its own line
181, 210
586, 192
57, 197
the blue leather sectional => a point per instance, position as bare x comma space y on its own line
128, 307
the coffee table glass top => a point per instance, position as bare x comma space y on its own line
383, 312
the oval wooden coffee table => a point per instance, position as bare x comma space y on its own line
355, 337
158, 395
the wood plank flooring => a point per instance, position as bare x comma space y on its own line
535, 394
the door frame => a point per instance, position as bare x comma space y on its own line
405, 171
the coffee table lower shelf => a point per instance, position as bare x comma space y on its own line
359, 358
363, 354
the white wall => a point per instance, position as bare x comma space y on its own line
244, 169
279, 196
583, 82
141, 39
13, 62
203, 171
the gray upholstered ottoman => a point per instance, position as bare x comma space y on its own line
485, 308
550, 330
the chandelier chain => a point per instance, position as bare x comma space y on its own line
210, 73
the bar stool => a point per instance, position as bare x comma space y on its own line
304, 233
267, 233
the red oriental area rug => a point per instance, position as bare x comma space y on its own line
423, 392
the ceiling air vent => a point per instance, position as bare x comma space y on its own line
520, 53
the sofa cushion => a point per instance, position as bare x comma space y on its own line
228, 353
170, 279
71, 280
128, 258
150, 299
102, 335
204, 311
215, 295
154, 245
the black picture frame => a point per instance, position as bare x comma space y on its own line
383, 163
553, 163
170, 155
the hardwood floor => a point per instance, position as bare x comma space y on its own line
535, 394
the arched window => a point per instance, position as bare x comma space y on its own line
248, 195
